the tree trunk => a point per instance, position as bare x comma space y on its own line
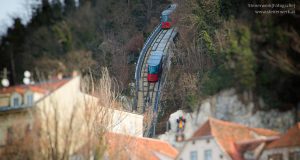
13, 67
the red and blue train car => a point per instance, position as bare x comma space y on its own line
154, 64
167, 17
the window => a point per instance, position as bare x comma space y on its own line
164, 18
207, 141
275, 157
294, 155
29, 99
16, 102
153, 69
207, 155
221, 156
193, 155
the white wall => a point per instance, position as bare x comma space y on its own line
284, 151
162, 156
120, 121
127, 123
200, 145
64, 100
69, 95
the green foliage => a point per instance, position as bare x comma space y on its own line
259, 56
69, 6
64, 36
208, 42
230, 8
192, 100
240, 57
216, 80
207, 16
265, 87
236, 67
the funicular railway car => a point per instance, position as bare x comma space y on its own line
154, 64
167, 17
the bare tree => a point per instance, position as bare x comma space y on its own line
63, 127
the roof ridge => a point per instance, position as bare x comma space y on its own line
258, 139
228, 122
264, 129
239, 125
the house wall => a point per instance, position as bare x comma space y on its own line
69, 101
61, 100
4, 100
37, 96
161, 156
127, 123
18, 122
118, 121
64, 103
284, 151
59, 115
200, 145
69, 97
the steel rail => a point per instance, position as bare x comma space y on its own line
151, 93
140, 62
158, 95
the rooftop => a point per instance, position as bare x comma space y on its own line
130, 147
227, 134
43, 87
290, 139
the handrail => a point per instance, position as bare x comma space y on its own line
139, 64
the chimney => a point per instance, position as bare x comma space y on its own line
59, 76
74, 73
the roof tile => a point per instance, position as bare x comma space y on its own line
128, 147
290, 139
43, 87
227, 134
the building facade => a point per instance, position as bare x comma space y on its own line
220, 140
60, 111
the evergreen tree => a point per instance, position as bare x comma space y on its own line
70, 6
12, 45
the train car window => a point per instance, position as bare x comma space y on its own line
164, 18
152, 69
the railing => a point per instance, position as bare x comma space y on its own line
139, 64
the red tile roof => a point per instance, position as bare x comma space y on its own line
125, 147
250, 145
43, 87
227, 134
289, 139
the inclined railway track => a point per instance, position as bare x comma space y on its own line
149, 89
148, 94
